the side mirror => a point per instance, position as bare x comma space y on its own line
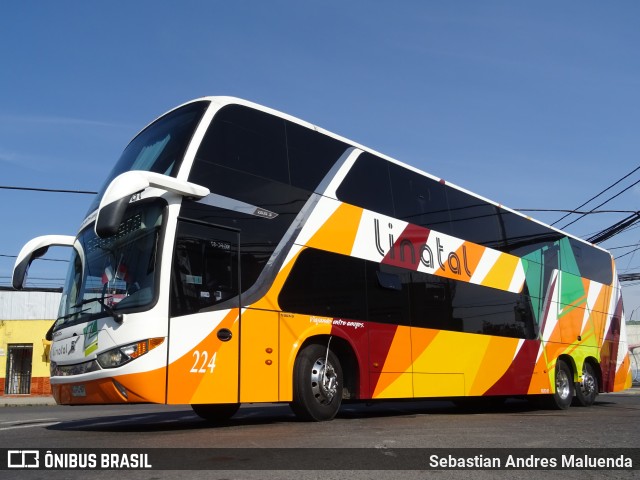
118, 195
36, 248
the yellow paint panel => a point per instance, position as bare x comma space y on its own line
452, 352
259, 356
497, 359
421, 338
438, 385
396, 386
501, 273
396, 365
339, 232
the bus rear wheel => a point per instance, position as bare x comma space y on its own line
587, 387
561, 399
317, 384
216, 412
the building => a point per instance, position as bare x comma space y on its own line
25, 317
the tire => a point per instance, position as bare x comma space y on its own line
216, 413
564, 391
587, 387
317, 388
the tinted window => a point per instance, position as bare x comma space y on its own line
431, 305
523, 236
160, 147
205, 268
248, 140
259, 236
326, 284
388, 294
419, 199
367, 185
474, 219
491, 312
311, 155
593, 263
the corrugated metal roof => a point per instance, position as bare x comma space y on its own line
29, 305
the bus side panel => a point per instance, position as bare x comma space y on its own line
259, 352
202, 367
294, 330
390, 363
472, 365
610, 347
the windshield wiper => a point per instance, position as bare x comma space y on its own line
102, 301
49, 335
69, 315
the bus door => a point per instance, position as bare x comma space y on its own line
204, 321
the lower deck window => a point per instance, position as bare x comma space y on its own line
338, 286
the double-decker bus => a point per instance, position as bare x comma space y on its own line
236, 254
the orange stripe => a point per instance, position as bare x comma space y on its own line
339, 232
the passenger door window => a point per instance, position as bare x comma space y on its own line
205, 268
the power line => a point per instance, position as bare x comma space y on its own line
603, 203
40, 259
48, 190
571, 211
615, 229
596, 196
629, 277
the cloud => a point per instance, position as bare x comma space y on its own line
33, 163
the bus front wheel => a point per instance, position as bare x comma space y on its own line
216, 412
317, 384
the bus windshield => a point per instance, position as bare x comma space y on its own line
160, 147
114, 274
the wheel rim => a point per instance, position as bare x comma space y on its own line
563, 387
324, 381
588, 383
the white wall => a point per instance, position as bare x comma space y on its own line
29, 305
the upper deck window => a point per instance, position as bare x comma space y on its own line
266, 146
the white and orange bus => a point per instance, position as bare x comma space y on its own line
237, 254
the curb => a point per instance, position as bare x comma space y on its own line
26, 401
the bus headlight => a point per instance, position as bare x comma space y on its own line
119, 356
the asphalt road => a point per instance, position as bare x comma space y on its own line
612, 423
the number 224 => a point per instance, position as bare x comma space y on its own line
201, 360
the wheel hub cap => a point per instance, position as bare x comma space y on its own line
324, 382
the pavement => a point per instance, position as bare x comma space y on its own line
40, 400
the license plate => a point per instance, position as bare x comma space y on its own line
78, 391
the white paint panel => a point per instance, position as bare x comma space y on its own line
188, 331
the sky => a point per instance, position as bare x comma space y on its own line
535, 105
